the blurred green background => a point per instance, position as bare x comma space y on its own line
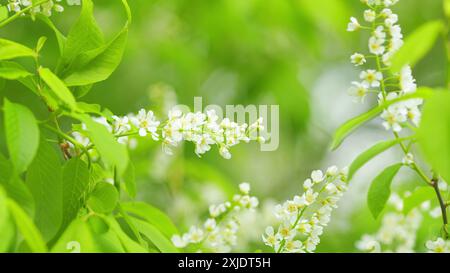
293, 53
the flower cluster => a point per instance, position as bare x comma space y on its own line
438, 246
397, 232
202, 129
46, 7
385, 40
218, 233
304, 217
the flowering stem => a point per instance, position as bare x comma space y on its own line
443, 206
18, 14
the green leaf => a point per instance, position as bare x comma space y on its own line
370, 153
85, 35
77, 237
434, 133
98, 64
155, 236
3, 13
11, 50
13, 71
59, 36
129, 179
417, 197
416, 45
44, 179
14, 186
152, 215
58, 87
40, 44
6, 224
27, 228
351, 125
127, 242
22, 134
103, 198
111, 151
380, 189
75, 184
106, 240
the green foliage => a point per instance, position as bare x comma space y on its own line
10, 50
380, 189
13, 71
351, 125
434, 133
155, 236
153, 216
44, 179
22, 134
29, 231
129, 179
417, 45
58, 88
103, 198
370, 153
75, 175
113, 153
417, 197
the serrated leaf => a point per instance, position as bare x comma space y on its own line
27, 228
58, 87
370, 153
103, 198
351, 125
152, 215
380, 189
112, 152
44, 179
98, 64
85, 35
22, 134
75, 185
417, 197
416, 45
155, 236
434, 133
13, 71
10, 50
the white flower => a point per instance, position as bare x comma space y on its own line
358, 59
407, 81
179, 241
376, 46
270, 239
294, 246
203, 144
353, 25
370, 15
358, 90
121, 124
437, 246
224, 152
368, 244
317, 176
146, 123
393, 117
371, 77
244, 188
210, 225
195, 235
